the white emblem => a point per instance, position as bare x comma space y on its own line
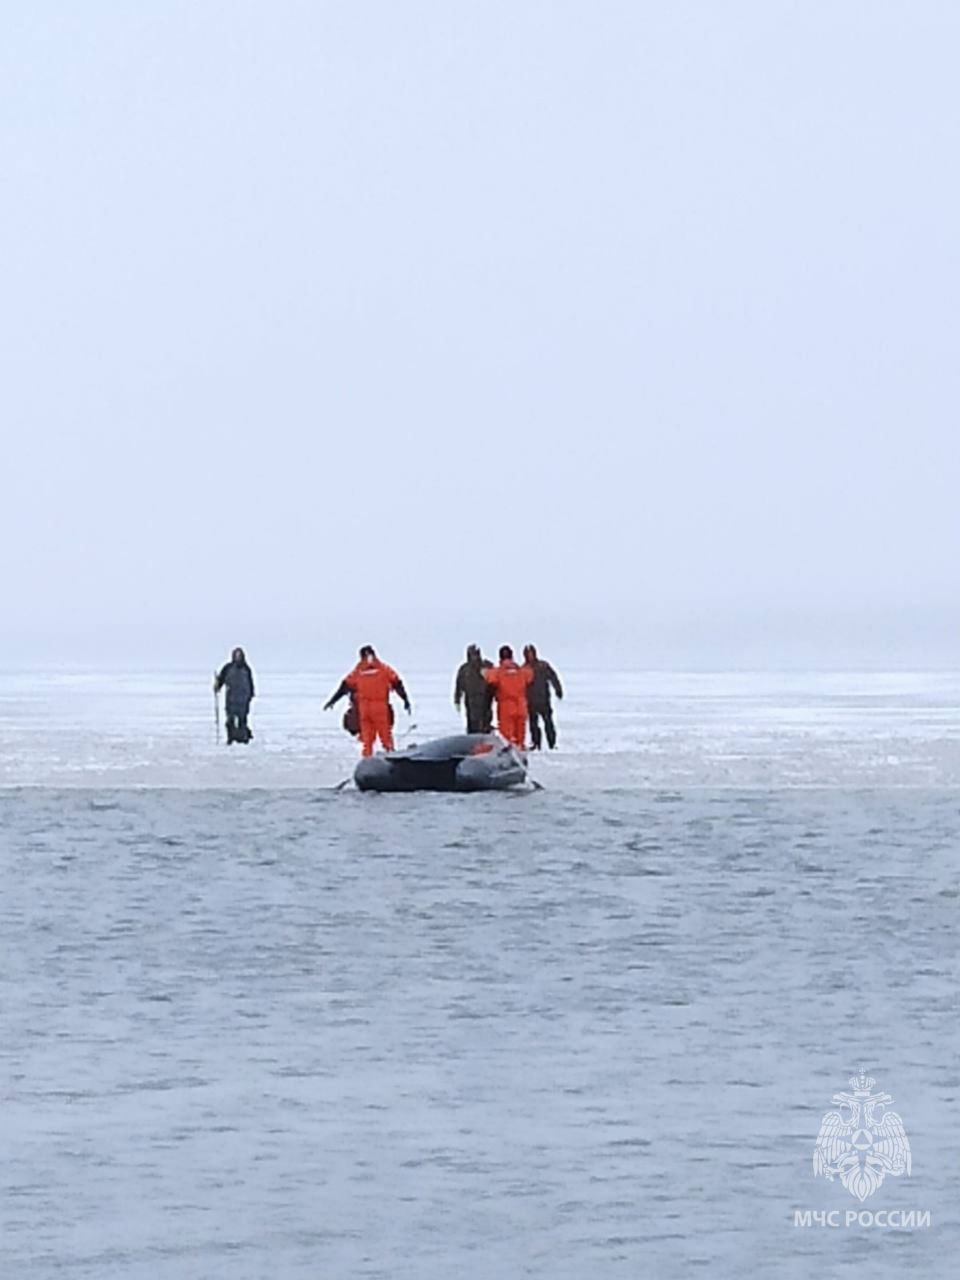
863, 1141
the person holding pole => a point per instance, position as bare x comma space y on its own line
237, 678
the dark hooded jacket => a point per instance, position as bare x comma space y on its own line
238, 678
544, 678
470, 684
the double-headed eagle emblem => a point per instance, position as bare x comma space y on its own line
862, 1141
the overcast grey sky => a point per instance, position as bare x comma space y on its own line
633, 324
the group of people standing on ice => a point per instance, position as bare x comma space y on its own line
522, 695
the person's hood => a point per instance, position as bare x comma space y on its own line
373, 664
239, 656
530, 653
474, 657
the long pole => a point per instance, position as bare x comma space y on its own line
216, 709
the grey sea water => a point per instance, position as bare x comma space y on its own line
252, 1028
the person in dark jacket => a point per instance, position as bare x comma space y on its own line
237, 678
471, 688
538, 697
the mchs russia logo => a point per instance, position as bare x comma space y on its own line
862, 1141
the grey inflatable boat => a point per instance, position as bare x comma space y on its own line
465, 762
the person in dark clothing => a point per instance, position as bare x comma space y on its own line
237, 678
471, 688
538, 697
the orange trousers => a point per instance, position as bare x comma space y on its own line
512, 722
375, 723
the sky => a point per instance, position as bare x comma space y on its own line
626, 327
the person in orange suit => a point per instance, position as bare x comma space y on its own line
371, 682
510, 683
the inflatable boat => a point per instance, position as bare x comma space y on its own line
466, 762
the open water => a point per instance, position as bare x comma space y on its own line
252, 1028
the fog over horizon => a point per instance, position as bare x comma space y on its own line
627, 328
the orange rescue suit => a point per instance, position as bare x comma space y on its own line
372, 683
510, 687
